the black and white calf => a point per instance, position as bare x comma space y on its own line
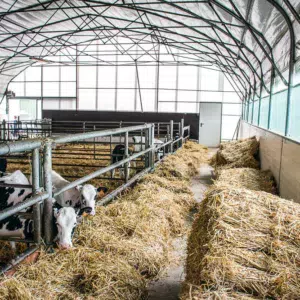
66, 220
140, 145
19, 227
117, 155
82, 197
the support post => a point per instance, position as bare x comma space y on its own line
3, 132
182, 127
35, 188
181, 131
126, 169
48, 205
147, 145
152, 153
171, 135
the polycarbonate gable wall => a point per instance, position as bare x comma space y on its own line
122, 86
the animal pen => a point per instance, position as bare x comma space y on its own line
170, 83
41, 153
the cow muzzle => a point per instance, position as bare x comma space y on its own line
87, 211
64, 246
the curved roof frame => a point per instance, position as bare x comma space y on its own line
211, 49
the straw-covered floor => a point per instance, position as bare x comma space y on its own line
248, 178
127, 243
237, 154
244, 245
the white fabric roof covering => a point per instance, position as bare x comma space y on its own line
244, 38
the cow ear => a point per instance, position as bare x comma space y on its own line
78, 187
102, 188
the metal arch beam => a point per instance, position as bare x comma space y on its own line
292, 9
226, 33
128, 20
213, 25
159, 16
251, 67
221, 44
162, 17
253, 31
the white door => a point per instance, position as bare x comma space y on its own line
210, 123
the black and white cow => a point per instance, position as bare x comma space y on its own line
10, 196
140, 145
82, 197
117, 155
19, 227
65, 219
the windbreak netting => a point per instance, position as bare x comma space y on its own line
246, 39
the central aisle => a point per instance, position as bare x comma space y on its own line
168, 286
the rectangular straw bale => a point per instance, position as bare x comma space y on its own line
244, 241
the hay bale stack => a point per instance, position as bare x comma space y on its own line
246, 242
119, 249
248, 178
237, 154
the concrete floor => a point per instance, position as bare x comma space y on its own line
168, 286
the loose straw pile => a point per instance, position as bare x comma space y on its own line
124, 245
248, 178
244, 245
237, 154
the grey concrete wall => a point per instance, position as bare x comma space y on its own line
279, 155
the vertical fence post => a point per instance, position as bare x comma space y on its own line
126, 169
182, 131
3, 130
94, 143
147, 145
171, 135
35, 188
151, 142
48, 205
158, 130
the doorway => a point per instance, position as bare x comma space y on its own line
210, 123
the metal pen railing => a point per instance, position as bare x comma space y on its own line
41, 161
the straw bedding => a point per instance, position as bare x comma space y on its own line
248, 178
127, 243
244, 245
237, 154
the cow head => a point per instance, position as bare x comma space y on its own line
88, 195
66, 220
